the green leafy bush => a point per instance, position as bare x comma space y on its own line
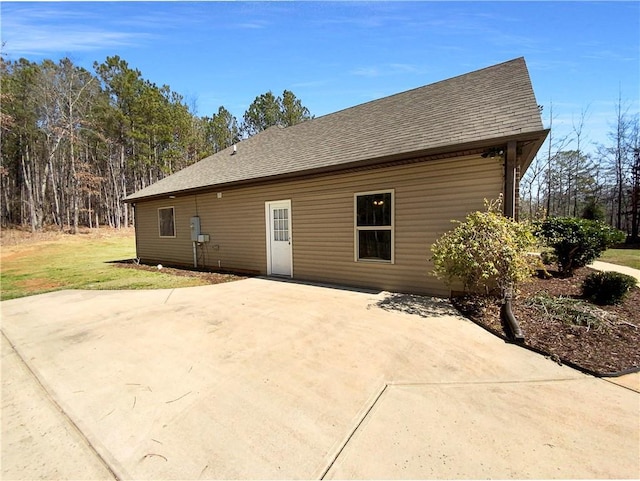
487, 250
607, 287
576, 242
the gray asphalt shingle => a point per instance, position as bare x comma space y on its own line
486, 104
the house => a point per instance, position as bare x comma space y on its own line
356, 197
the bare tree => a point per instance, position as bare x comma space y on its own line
554, 146
635, 180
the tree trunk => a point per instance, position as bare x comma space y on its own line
51, 174
123, 189
635, 195
619, 187
28, 182
74, 180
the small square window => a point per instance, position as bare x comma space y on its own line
166, 222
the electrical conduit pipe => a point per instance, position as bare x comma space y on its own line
510, 320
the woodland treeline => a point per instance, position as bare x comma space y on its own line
76, 142
602, 183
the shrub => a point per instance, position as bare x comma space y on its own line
487, 250
576, 242
593, 210
607, 287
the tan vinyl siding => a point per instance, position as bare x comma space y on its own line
427, 196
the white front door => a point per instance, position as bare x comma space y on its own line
278, 219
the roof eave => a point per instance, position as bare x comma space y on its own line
535, 140
529, 151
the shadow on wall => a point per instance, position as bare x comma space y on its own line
422, 306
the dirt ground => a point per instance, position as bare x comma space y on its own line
206, 276
601, 350
17, 236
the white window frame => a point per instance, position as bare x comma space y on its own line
173, 210
357, 229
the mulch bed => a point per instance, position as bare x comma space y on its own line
206, 276
610, 349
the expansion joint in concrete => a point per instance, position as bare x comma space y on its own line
364, 416
471, 383
629, 388
166, 301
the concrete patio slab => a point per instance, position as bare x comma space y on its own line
38, 440
630, 381
496, 430
267, 379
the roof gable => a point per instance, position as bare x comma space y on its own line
491, 103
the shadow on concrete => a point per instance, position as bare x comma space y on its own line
340, 287
423, 306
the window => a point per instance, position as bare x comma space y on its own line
166, 222
281, 224
374, 226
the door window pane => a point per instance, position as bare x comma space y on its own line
281, 225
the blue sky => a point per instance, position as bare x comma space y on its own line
333, 55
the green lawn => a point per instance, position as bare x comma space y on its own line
77, 262
622, 257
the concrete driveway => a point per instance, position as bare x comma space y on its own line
263, 379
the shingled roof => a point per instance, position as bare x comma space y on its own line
489, 104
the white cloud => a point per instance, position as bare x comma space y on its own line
252, 25
388, 70
550, 64
46, 29
310, 84
43, 41
611, 55
367, 71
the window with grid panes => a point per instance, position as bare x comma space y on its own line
374, 226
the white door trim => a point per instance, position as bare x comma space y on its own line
269, 235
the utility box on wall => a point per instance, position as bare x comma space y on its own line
195, 228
